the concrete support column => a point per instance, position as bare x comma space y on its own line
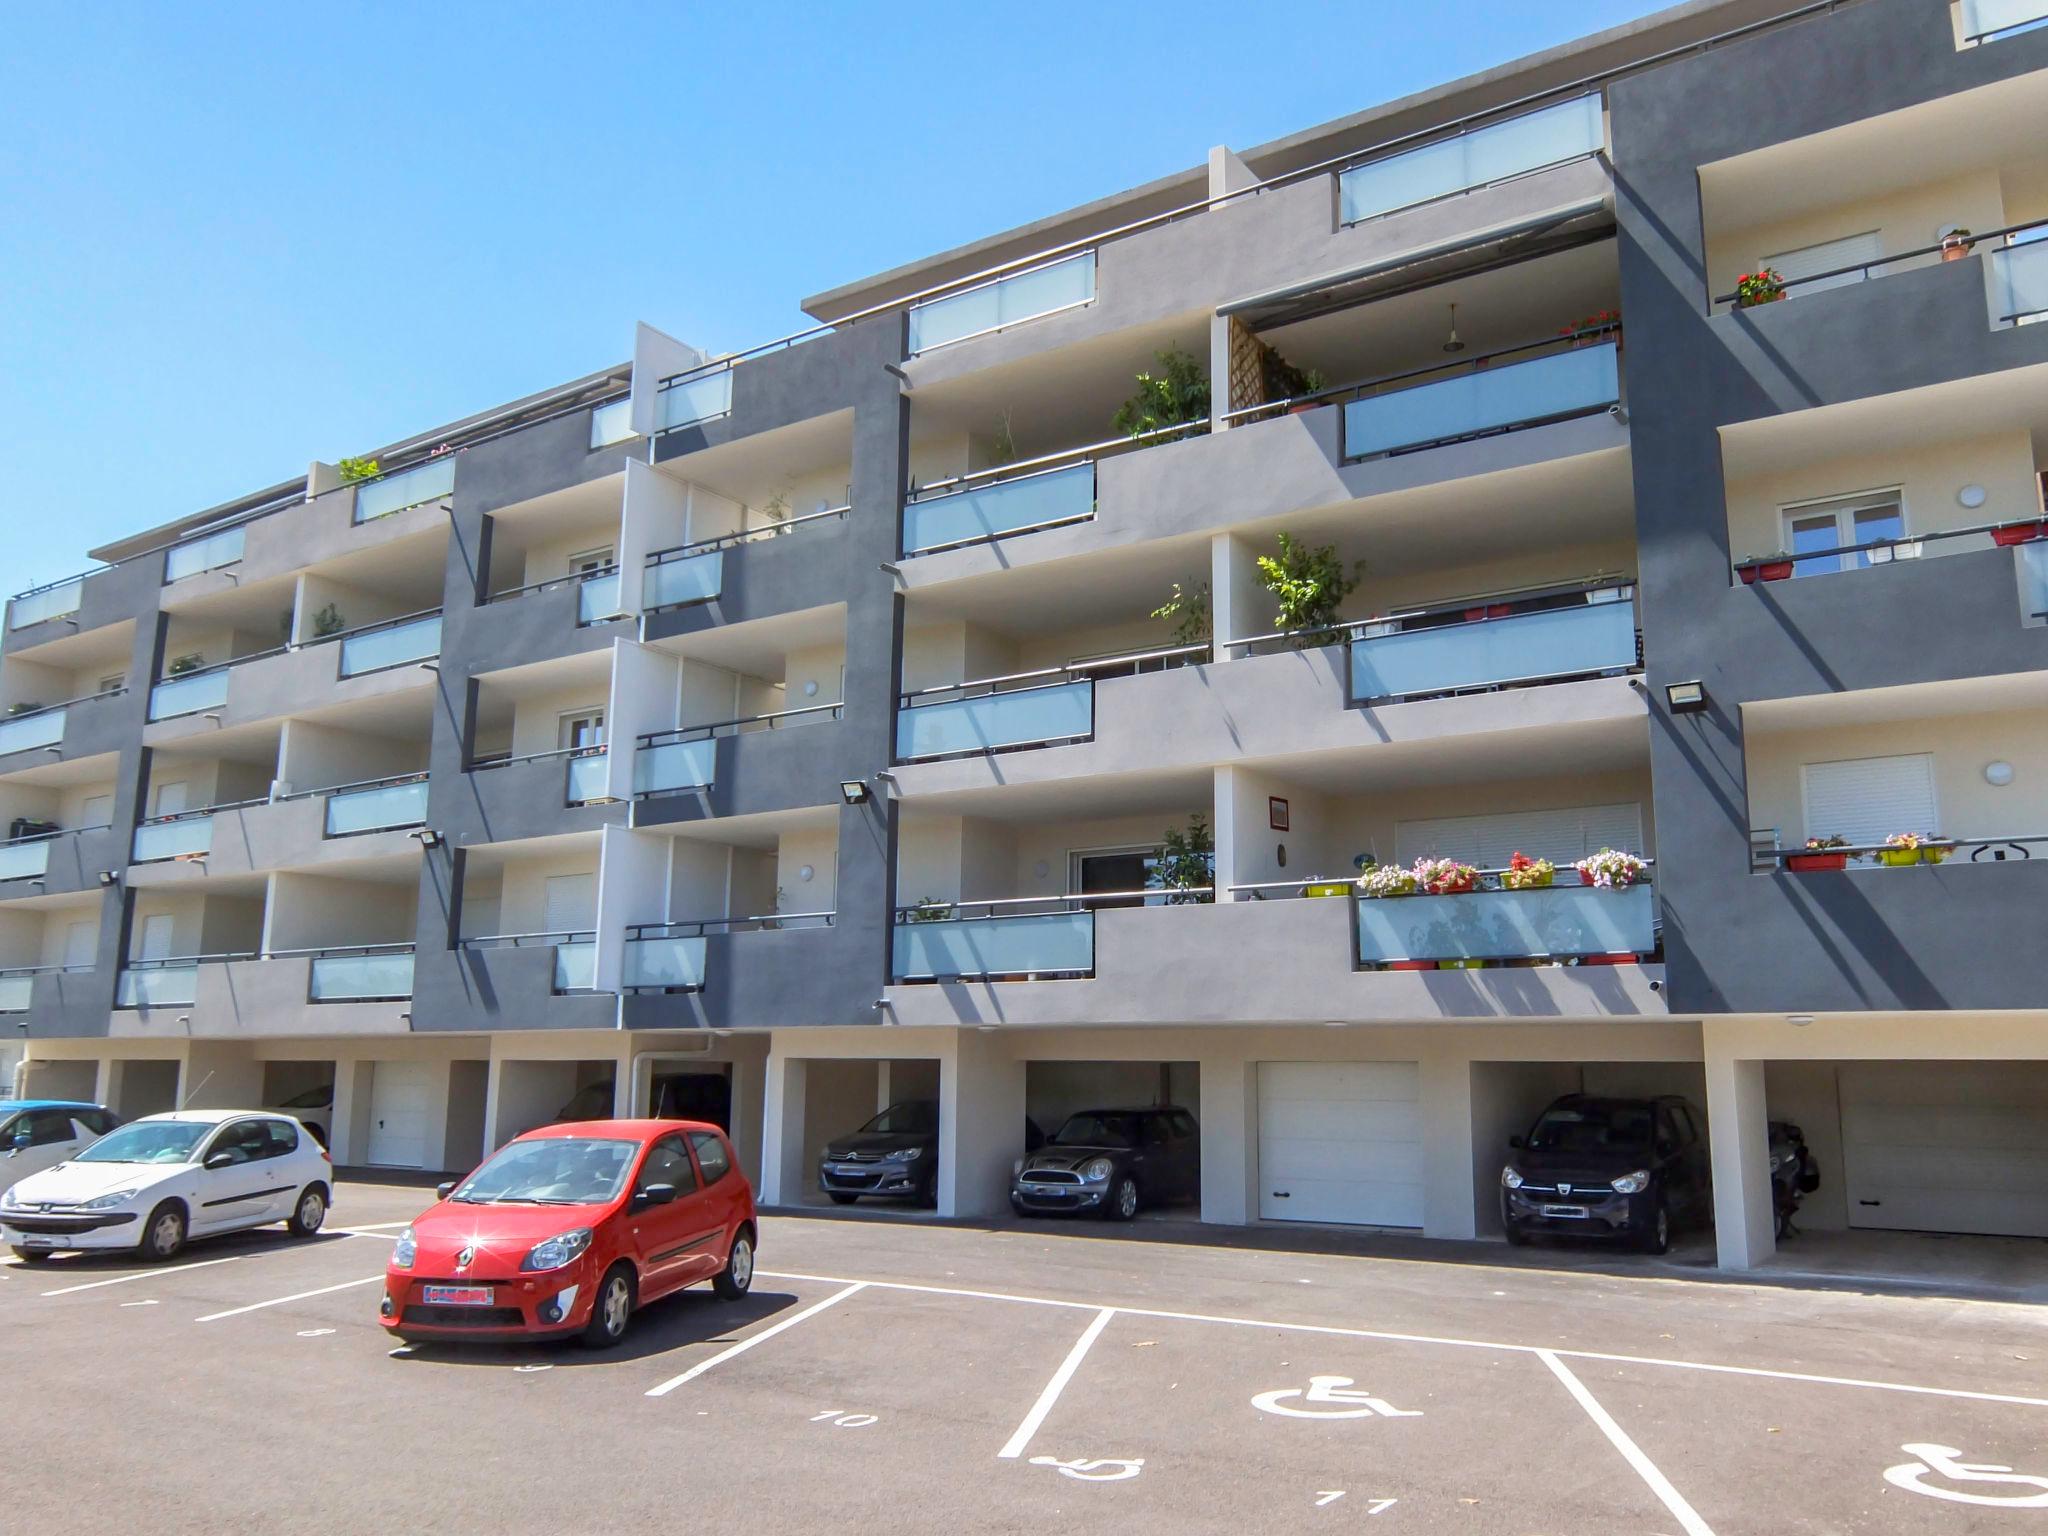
1239, 604
882, 1087
749, 1083
981, 1122
1447, 1204
1745, 1231
1230, 1140
106, 1086
782, 1131
220, 1076
348, 1136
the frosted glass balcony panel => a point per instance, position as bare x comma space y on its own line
1560, 921
1008, 506
1035, 943
1062, 712
1575, 382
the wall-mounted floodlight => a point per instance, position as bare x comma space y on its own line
429, 838
1686, 698
853, 791
110, 877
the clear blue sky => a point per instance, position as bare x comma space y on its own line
236, 238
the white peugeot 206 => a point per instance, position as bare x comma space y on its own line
155, 1182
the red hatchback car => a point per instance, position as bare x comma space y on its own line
570, 1229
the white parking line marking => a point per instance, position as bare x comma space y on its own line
258, 1306
1014, 1447
758, 1338
1424, 1338
147, 1274
1646, 1469
389, 1237
371, 1228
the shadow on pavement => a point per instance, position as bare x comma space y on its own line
690, 1317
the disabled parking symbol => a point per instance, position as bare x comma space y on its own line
1330, 1397
1082, 1469
1940, 1462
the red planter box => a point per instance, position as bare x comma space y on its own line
1765, 570
1411, 965
1809, 861
1607, 959
2016, 533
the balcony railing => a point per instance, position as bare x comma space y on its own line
2020, 279
1026, 709
1002, 302
975, 514
207, 554
191, 692
1986, 20
1556, 922
587, 776
1477, 157
51, 602
360, 973
702, 394
939, 941
677, 577
1494, 646
597, 600
2029, 535
1433, 406
33, 728
666, 763
393, 643
612, 423
1766, 855
2019, 255
2033, 562
661, 957
175, 837
431, 481
26, 858
164, 983
575, 954
379, 805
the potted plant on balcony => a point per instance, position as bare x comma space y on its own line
1775, 566
1956, 244
1387, 880
352, 470
1177, 395
1311, 585
1188, 609
1820, 854
930, 909
181, 665
1610, 869
1900, 849
1763, 286
1586, 331
1526, 874
1446, 877
1184, 865
2008, 534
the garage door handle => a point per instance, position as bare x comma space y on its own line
1870, 1202
1281, 1194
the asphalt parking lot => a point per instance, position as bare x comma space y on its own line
910, 1377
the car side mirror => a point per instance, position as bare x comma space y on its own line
221, 1160
654, 1194
1517, 1143
444, 1190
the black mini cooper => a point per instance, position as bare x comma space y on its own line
1110, 1162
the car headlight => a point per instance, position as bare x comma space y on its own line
405, 1250
1017, 1169
1777, 1161
1511, 1177
1633, 1183
904, 1155
107, 1202
8, 1196
561, 1249
1098, 1170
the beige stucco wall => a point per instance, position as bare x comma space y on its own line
536, 721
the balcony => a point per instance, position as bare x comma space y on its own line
393, 643
612, 423
26, 858
183, 836
1986, 21
192, 692
663, 957
1033, 294
943, 518
1496, 926
1503, 392
688, 398
676, 578
168, 983
368, 973
985, 940
395, 492
1514, 643
998, 715
43, 603
211, 553
32, 728
380, 805
1473, 158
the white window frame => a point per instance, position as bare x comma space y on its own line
1844, 508
568, 720
588, 562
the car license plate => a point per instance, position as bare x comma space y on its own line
458, 1295
30, 1240
1578, 1211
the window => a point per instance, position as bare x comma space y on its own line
1814, 528
43, 1128
1118, 870
157, 931
172, 798
96, 1122
590, 562
1851, 250
117, 680
711, 1155
96, 811
1681, 1119
82, 943
1867, 799
1490, 841
281, 1138
582, 729
245, 1141
1183, 1124
668, 1163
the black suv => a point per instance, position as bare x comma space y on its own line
1626, 1169
1112, 1161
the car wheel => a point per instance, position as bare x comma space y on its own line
610, 1309
1123, 1204
33, 1255
1516, 1236
841, 1197
927, 1196
311, 1211
1657, 1236
737, 1278
164, 1233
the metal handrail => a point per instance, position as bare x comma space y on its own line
1787, 557
50, 837
199, 812
734, 727
1354, 882
529, 940
44, 970
573, 578
509, 761
1065, 673
1046, 463
1456, 605
84, 698
744, 536
356, 786
362, 629
1788, 284
1549, 345
338, 951
1084, 899
703, 925
181, 962
1856, 850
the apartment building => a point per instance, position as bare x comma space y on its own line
776, 735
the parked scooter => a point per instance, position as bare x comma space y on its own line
1794, 1174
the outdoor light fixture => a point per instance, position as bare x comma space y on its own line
1998, 774
1686, 698
428, 837
110, 877
853, 791
1451, 342
1799, 1020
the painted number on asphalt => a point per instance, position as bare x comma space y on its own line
1939, 1463
1084, 1470
842, 1420
1330, 1397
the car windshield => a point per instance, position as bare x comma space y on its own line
1591, 1128
1097, 1130
312, 1098
914, 1119
148, 1141
551, 1170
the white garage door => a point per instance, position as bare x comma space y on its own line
1340, 1141
401, 1103
1947, 1147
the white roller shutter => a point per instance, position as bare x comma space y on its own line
1341, 1141
571, 904
1946, 1146
1867, 799
1490, 841
1825, 257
